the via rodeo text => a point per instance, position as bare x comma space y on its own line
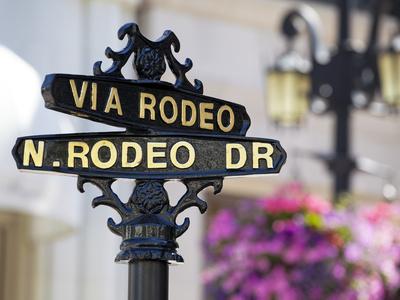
143, 106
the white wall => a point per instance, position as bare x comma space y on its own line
68, 37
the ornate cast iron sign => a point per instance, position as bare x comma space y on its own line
140, 104
172, 132
149, 157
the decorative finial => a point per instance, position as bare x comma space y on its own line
149, 59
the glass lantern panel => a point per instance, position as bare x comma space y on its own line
396, 75
389, 71
287, 97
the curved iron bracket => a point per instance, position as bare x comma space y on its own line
290, 28
148, 222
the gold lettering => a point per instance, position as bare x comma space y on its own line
94, 96
191, 153
138, 154
231, 118
94, 154
147, 106
174, 115
80, 155
79, 99
31, 152
206, 115
113, 102
257, 156
188, 104
151, 154
242, 156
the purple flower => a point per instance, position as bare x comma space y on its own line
223, 227
295, 249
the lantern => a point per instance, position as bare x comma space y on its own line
288, 89
389, 72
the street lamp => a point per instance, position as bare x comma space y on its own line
336, 81
288, 89
389, 71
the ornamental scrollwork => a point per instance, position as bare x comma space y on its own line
148, 223
149, 58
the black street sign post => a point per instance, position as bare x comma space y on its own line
172, 132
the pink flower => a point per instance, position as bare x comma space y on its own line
223, 227
294, 253
339, 271
320, 252
379, 212
238, 297
215, 272
353, 252
292, 199
233, 281
271, 246
317, 205
282, 205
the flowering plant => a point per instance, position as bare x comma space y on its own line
295, 246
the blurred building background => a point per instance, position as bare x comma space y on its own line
52, 244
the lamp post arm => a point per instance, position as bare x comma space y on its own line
361, 164
377, 8
372, 167
290, 28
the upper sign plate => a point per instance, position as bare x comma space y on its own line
143, 104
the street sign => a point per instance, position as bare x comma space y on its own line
173, 131
143, 104
121, 155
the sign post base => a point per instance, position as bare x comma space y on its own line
148, 280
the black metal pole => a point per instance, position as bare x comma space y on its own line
148, 280
342, 163
344, 22
342, 169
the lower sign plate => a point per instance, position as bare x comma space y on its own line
124, 155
